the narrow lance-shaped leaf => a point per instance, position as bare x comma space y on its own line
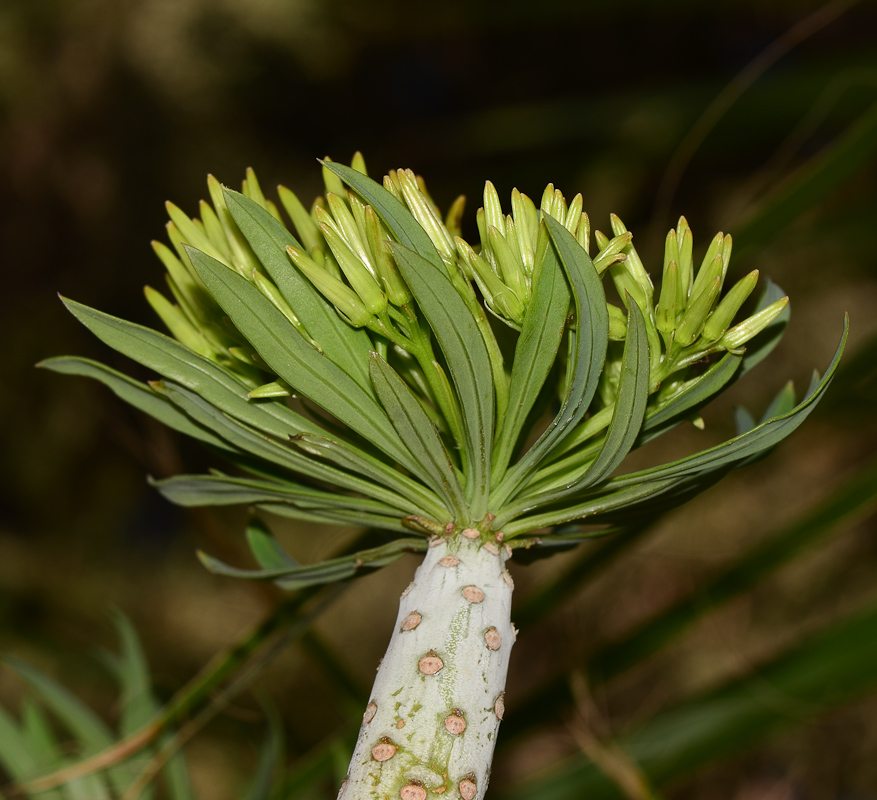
466, 354
748, 444
286, 352
589, 354
265, 548
355, 460
343, 345
139, 395
393, 213
268, 450
222, 490
535, 353
330, 571
170, 359
416, 429
78, 718
627, 417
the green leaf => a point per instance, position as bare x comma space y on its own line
265, 548
764, 343
76, 716
137, 703
400, 221
214, 383
535, 353
292, 358
350, 458
331, 571
340, 516
596, 508
417, 431
271, 759
264, 449
466, 354
346, 347
18, 756
630, 405
694, 395
749, 444
588, 356
89, 730
139, 395
222, 490
627, 417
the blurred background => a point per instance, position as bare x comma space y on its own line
755, 118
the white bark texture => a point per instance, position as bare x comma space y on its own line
430, 727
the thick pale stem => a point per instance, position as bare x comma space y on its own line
430, 727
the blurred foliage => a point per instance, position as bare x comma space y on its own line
109, 109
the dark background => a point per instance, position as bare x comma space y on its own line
111, 108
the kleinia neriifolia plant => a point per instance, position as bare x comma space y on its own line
366, 365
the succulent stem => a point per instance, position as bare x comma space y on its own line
431, 724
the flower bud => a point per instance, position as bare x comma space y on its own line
334, 290
695, 315
668, 308
740, 334
394, 285
361, 280
721, 318
307, 229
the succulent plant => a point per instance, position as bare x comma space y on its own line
468, 401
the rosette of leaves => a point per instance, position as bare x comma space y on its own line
366, 365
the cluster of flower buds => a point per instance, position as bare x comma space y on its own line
691, 318
346, 254
512, 247
195, 319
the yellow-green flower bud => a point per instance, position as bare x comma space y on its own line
573, 214
510, 269
583, 233
334, 290
193, 233
361, 279
493, 215
213, 229
617, 323
499, 298
668, 308
634, 264
695, 315
707, 270
740, 334
526, 218
276, 388
705, 278
345, 224
721, 318
330, 180
454, 217
684, 262
176, 322
394, 285
610, 250
358, 163
391, 184
424, 213
307, 229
